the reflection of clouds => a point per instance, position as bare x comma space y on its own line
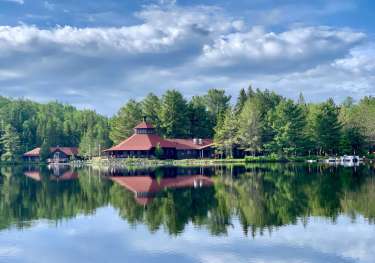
9, 251
105, 237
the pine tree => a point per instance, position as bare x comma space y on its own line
200, 122
174, 115
151, 106
11, 144
327, 128
241, 100
126, 119
44, 153
289, 125
217, 103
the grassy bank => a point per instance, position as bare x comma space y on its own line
137, 162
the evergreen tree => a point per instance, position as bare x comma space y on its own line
217, 103
289, 125
44, 153
327, 128
200, 122
11, 144
241, 100
151, 106
250, 128
174, 115
126, 119
93, 142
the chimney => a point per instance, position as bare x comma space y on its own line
200, 141
195, 141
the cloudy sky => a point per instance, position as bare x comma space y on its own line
98, 54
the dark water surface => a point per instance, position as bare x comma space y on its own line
259, 213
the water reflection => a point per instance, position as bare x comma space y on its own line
260, 197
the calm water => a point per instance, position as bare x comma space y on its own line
259, 213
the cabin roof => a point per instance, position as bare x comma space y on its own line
144, 125
142, 142
70, 151
190, 144
147, 184
145, 142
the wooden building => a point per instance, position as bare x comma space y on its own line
144, 141
57, 154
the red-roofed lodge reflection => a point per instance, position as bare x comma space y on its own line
145, 188
55, 173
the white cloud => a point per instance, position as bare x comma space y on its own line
298, 46
190, 48
20, 2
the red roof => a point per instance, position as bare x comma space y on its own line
69, 175
34, 175
145, 142
67, 150
142, 142
34, 152
144, 125
190, 144
147, 184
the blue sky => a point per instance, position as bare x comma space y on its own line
99, 54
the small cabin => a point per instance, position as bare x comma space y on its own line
57, 154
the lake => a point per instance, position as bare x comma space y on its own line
256, 213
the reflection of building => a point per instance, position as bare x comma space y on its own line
145, 141
146, 187
57, 154
55, 174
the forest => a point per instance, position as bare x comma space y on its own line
259, 122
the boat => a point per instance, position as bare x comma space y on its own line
332, 160
350, 159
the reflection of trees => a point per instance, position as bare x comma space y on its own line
172, 211
23, 199
262, 197
267, 196
361, 201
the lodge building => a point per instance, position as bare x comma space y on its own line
144, 141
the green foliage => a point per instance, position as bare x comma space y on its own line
174, 115
288, 122
217, 103
55, 123
241, 100
326, 128
250, 128
200, 119
151, 106
11, 144
125, 120
226, 133
159, 153
44, 151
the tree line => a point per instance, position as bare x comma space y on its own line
260, 122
